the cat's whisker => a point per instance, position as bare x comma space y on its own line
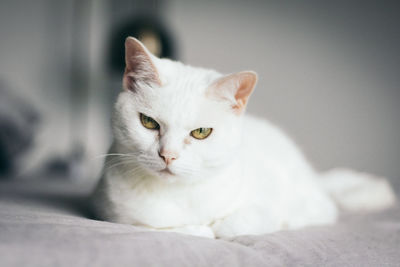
119, 163
116, 155
132, 172
117, 159
108, 155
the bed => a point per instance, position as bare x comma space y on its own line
46, 222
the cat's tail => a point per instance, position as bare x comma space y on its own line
356, 191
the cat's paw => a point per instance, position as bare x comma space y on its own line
249, 221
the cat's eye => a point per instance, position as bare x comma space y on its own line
201, 133
148, 122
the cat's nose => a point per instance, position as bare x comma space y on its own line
168, 156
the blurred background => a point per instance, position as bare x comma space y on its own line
329, 74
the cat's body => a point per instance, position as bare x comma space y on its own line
246, 177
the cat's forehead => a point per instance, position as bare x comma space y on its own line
185, 78
182, 99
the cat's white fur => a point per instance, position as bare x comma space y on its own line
247, 177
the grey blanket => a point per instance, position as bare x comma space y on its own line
45, 223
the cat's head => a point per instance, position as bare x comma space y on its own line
182, 123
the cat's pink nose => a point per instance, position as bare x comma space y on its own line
168, 156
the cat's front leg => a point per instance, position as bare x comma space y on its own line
246, 221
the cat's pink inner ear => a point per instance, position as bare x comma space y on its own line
139, 65
236, 88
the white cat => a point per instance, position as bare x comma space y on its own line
186, 158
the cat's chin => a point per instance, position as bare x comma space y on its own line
167, 175
166, 171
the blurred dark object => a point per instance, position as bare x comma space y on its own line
18, 121
150, 31
66, 166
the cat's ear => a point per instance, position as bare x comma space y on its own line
236, 88
140, 66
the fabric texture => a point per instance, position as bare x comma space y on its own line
47, 223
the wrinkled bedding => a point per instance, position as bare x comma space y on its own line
47, 223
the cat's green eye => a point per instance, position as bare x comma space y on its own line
148, 122
201, 133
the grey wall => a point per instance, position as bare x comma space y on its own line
329, 72
50, 54
35, 62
